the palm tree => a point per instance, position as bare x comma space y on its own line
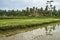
50, 6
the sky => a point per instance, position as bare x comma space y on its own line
22, 4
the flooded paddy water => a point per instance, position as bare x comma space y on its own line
44, 32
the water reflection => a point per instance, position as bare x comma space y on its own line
50, 29
45, 32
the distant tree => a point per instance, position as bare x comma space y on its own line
49, 3
58, 12
46, 11
42, 11
54, 11
27, 11
23, 13
31, 12
34, 11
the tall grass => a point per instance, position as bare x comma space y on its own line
8, 24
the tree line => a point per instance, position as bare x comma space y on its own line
31, 12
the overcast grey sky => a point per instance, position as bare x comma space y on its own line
22, 4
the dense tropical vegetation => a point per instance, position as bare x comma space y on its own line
35, 12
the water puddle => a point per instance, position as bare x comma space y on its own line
47, 32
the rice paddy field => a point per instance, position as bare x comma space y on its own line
8, 24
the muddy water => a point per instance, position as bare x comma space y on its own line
47, 32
